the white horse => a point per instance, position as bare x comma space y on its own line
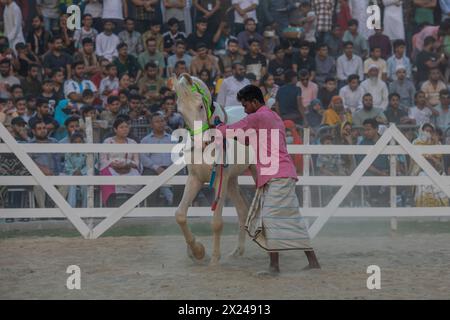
195, 104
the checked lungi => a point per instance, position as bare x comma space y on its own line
274, 221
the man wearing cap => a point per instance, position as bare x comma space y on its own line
404, 87
376, 87
19, 130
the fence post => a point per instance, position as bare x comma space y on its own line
393, 173
90, 166
306, 160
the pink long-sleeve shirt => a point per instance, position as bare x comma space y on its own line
266, 119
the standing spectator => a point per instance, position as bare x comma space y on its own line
360, 45
443, 119
309, 22
433, 86
175, 9
248, 35
399, 58
107, 42
243, 9
115, 11
381, 41
375, 59
200, 35
325, 65
335, 43
289, 100
145, 11
131, 37
38, 38
152, 54
86, 31
126, 63
368, 111
156, 163
50, 11
394, 26
309, 89
445, 8
424, 12
56, 58
75, 165
180, 55
421, 113
352, 93
404, 87
348, 64
376, 87
95, 9
279, 12
227, 96
324, 12
222, 38
359, 13
209, 10
254, 61
12, 19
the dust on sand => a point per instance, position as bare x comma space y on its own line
156, 267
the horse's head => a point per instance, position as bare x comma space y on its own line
194, 101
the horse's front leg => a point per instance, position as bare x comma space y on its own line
217, 223
193, 186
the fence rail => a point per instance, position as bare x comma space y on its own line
151, 183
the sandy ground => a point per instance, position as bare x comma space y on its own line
413, 266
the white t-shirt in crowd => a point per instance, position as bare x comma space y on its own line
106, 46
94, 8
244, 4
112, 9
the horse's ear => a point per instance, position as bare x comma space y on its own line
188, 77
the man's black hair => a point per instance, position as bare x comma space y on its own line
173, 21
289, 75
71, 119
33, 124
372, 122
121, 45
394, 94
348, 43
352, 22
352, 77
250, 93
112, 99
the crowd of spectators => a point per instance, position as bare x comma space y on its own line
316, 61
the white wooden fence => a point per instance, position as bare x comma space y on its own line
385, 145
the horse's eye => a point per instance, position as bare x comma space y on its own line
201, 107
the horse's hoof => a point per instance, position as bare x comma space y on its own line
214, 262
199, 256
238, 252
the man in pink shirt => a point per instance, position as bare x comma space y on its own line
274, 221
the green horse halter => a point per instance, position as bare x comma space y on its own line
195, 88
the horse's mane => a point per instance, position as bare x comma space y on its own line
183, 88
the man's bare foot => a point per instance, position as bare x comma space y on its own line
268, 273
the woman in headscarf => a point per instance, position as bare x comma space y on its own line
428, 195
336, 113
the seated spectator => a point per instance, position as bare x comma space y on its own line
205, 76
87, 55
171, 36
328, 91
131, 38
334, 42
204, 60
139, 117
336, 114
422, 112
395, 113
109, 83
249, 34
309, 88
56, 58
315, 114
375, 59
303, 60
119, 164
368, 111
433, 86
428, 195
360, 45
173, 119
376, 87
150, 84
72, 125
111, 111
42, 112
443, 119
126, 63
428, 59
398, 59
25, 57
151, 54
403, 87
180, 55
77, 83
269, 89
325, 65
279, 65
231, 56
38, 37
381, 41
156, 163
75, 165
106, 42
86, 31
200, 35
289, 100
254, 61
31, 83
352, 94
348, 64
222, 38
